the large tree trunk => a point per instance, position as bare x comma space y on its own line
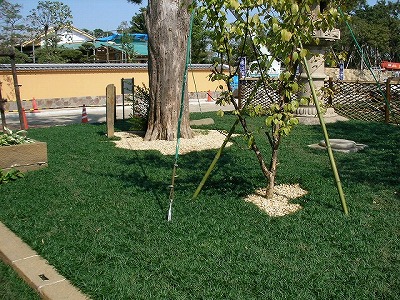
168, 23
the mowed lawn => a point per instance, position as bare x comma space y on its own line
98, 214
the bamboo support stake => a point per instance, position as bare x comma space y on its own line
326, 137
214, 162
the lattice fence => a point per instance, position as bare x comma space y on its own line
394, 99
364, 100
354, 100
253, 92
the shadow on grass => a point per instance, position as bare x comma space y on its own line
153, 172
379, 163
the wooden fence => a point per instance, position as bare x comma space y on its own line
351, 99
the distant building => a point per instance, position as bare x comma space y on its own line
112, 48
106, 50
66, 36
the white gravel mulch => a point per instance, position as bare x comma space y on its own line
203, 140
279, 205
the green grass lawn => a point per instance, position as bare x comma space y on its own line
98, 214
13, 287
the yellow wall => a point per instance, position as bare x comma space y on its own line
67, 83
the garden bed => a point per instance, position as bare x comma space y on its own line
24, 157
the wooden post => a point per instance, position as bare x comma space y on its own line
17, 93
388, 96
2, 109
110, 109
331, 89
123, 98
240, 93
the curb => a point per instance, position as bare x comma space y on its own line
35, 270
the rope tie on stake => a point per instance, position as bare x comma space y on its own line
178, 134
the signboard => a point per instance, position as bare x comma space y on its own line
235, 82
127, 86
341, 71
242, 67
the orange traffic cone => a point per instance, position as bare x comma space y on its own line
35, 106
25, 120
84, 115
209, 98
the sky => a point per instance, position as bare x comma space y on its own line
103, 14
92, 14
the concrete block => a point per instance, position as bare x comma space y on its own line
12, 248
61, 291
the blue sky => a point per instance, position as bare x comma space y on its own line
103, 14
92, 14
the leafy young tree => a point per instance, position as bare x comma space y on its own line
167, 22
50, 15
285, 27
11, 25
12, 31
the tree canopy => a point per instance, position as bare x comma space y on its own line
138, 23
11, 25
377, 30
50, 15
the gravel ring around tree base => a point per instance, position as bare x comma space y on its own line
280, 204
202, 140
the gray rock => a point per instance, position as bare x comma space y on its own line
340, 145
205, 121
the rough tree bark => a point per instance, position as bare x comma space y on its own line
168, 23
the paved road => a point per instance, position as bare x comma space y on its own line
65, 116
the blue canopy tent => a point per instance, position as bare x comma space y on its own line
116, 37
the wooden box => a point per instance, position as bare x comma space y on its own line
24, 157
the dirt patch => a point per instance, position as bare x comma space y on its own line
280, 204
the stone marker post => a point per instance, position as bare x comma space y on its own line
110, 109
307, 114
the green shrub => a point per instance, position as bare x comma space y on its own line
13, 174
14, 138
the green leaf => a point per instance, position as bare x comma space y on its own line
294, 9
268, 121
286, 35
295, 56
234, 4
295, 87
303, 53
275, 28
250, 141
